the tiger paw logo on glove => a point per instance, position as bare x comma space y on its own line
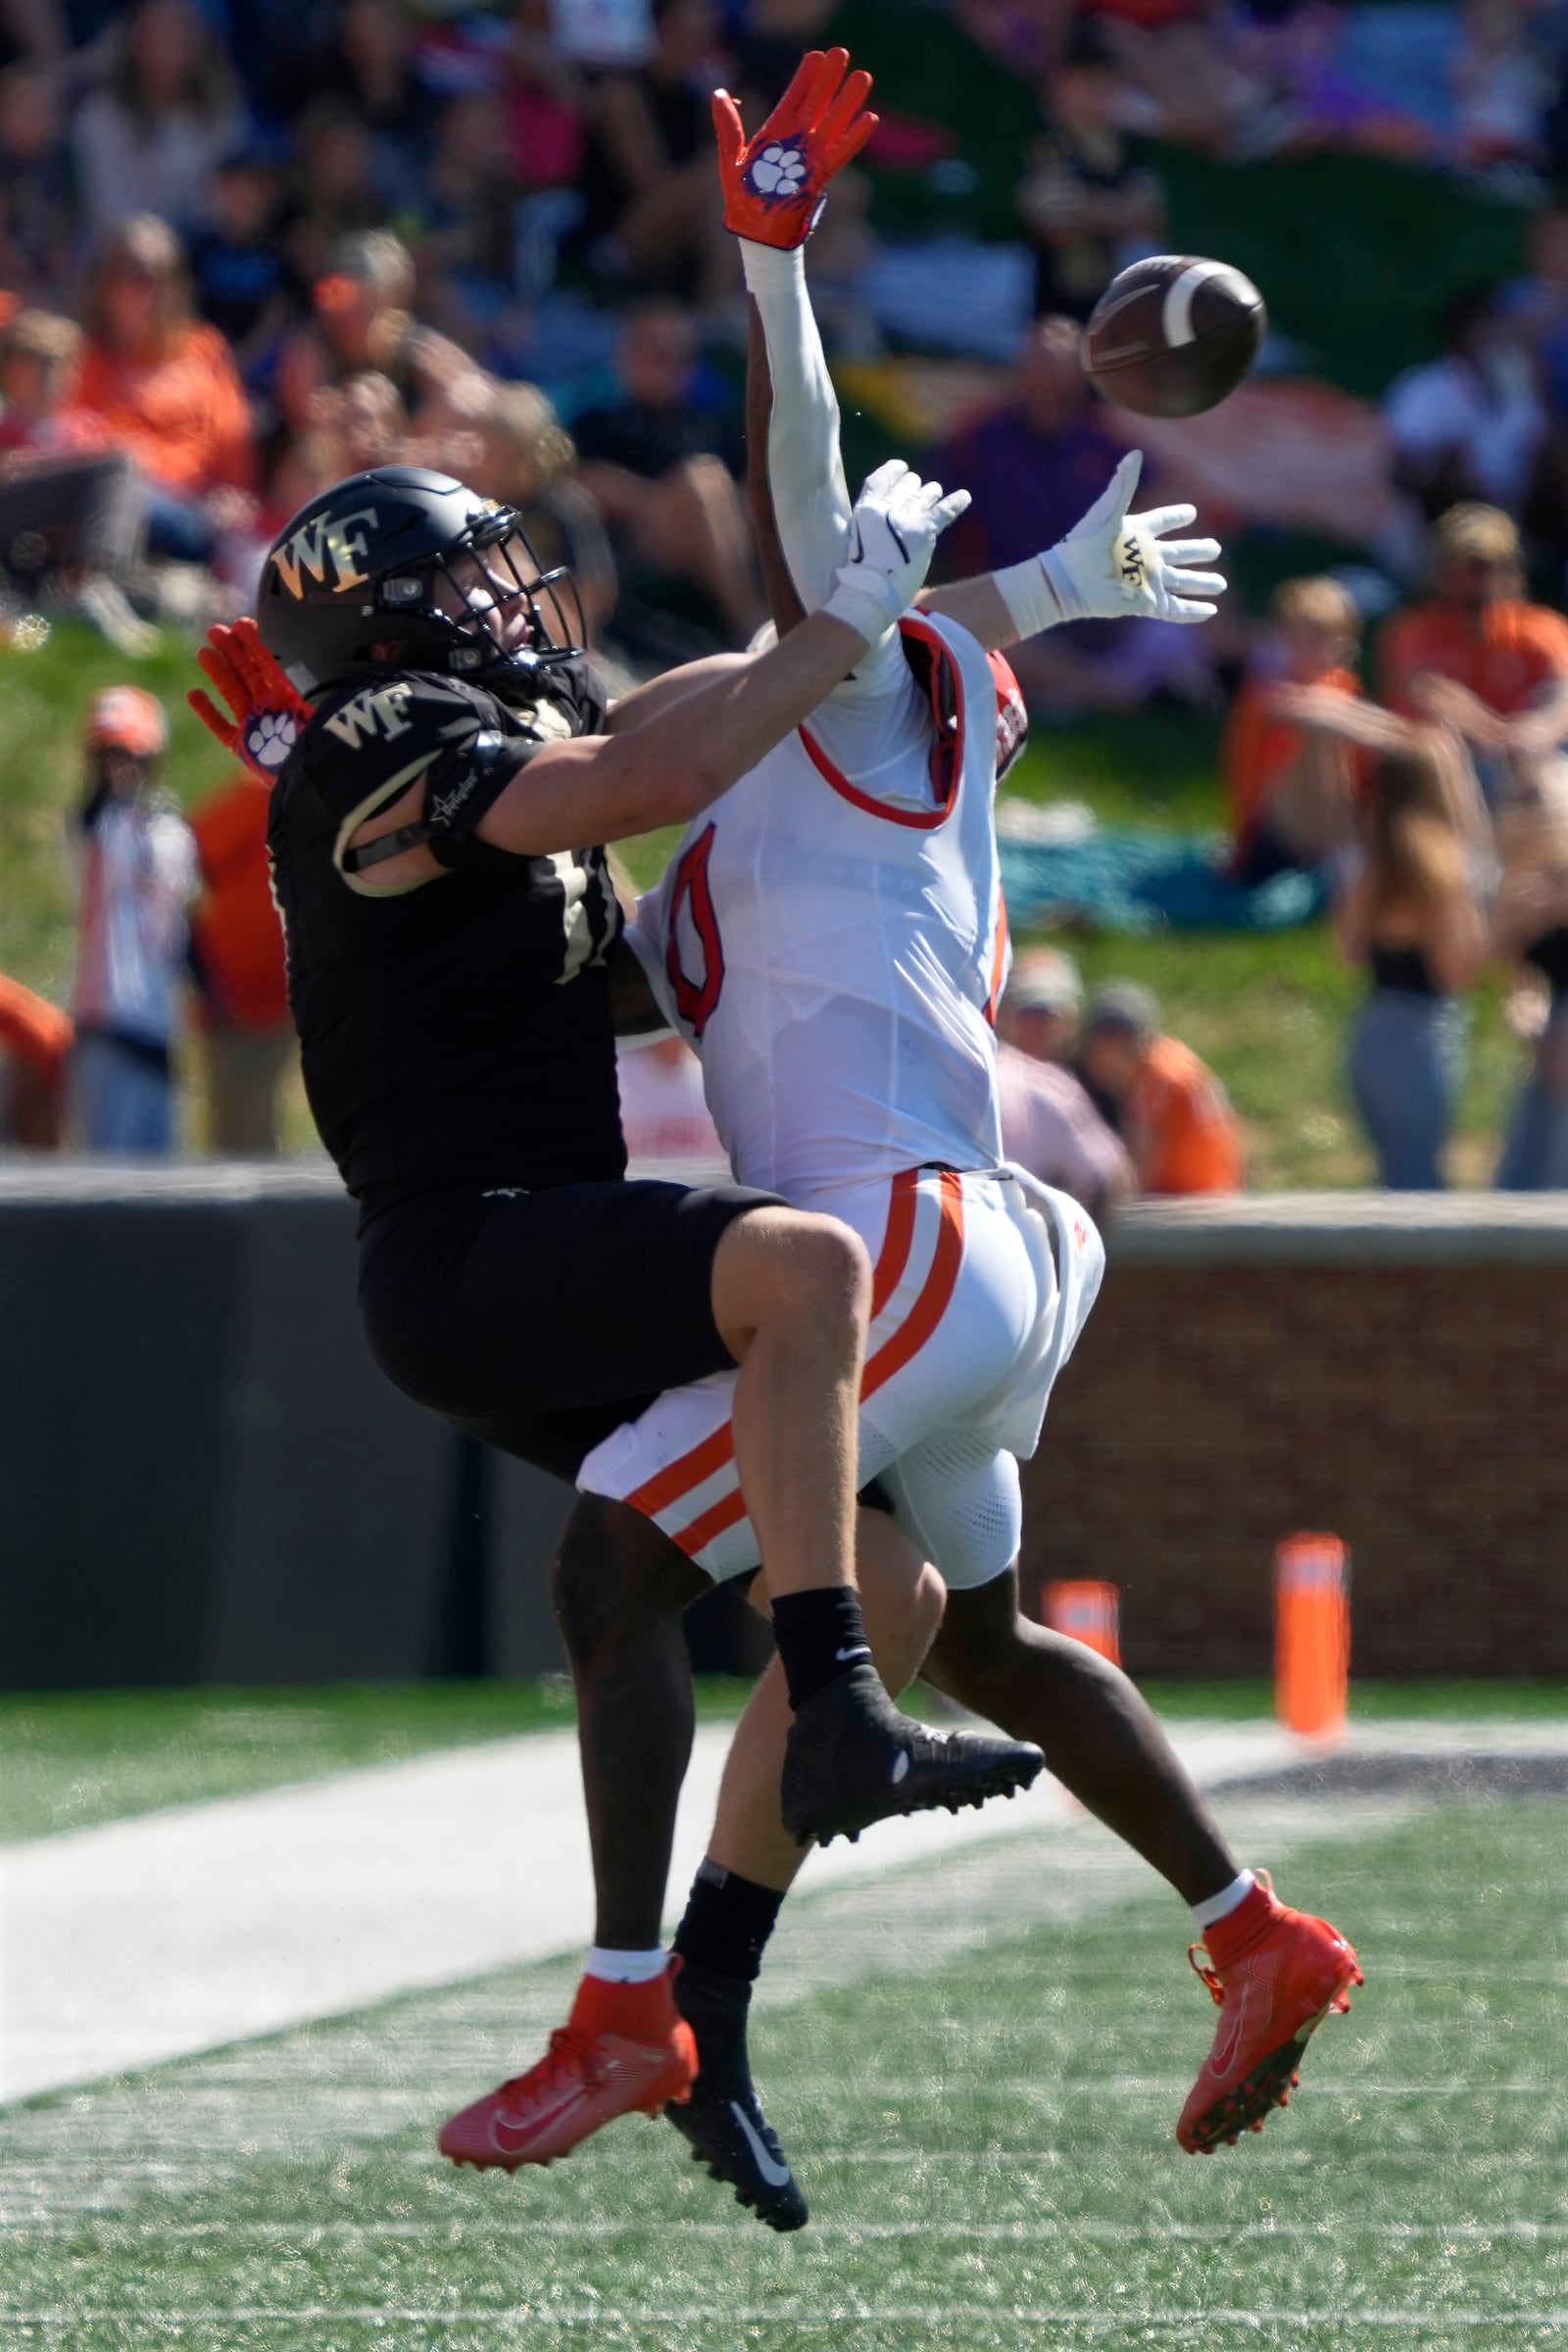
269, 737
775, 185
270, 715
778, 173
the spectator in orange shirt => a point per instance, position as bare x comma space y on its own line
162, 388
1291, 789
237, 954
35, 1041
1476, 658
1176, 1119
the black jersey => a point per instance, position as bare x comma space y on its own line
459, 1032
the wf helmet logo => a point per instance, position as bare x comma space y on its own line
324, 544
778, 173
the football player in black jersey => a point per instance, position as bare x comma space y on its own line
442, 750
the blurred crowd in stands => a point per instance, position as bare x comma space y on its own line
248, 247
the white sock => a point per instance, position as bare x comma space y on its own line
626, 1968
1215, 1907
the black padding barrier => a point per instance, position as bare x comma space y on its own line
204, 1477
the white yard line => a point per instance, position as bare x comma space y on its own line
147, 1940
153, 1938
1095, 2319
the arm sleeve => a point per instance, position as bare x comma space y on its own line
806, 471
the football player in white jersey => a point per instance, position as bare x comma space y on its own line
831, 937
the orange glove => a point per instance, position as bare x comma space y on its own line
270, 715
776, 184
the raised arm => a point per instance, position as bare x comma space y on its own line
774, 188
530, 789
1112, 565
669, 767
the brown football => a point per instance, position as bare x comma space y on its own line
1174, 335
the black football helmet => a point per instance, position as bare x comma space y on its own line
400, 568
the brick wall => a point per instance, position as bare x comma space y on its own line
1394, 1373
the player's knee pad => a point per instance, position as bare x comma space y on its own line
960, 1500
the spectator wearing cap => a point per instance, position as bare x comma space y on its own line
36, 1040
1176, 1118
1048, 1124
1476, 658
236, 953
138, 876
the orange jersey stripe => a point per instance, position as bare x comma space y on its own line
932, 1304
713, 1522
690, 1471
694, 1468
999, 963
894, 1254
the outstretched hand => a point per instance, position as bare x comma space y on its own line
270, 715
893, 530
1112, 565
775, 184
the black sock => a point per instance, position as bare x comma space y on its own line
727, 1923
821, 1635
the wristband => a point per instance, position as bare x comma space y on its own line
1031, 596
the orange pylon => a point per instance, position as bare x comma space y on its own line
1313, 1634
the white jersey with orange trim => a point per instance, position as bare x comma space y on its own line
831, 935
831, 939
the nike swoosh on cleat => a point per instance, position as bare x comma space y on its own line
1221, 2057
509, 2137
901, 1767
777, 2175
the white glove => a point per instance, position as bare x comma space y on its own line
893, 530
1112, 565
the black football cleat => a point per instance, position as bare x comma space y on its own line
722, 2119
853, 1759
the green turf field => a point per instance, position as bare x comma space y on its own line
69, 1760
986, 2141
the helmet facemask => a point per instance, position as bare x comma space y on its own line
488, 598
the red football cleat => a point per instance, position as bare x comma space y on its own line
625, 2048
1275, 1974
